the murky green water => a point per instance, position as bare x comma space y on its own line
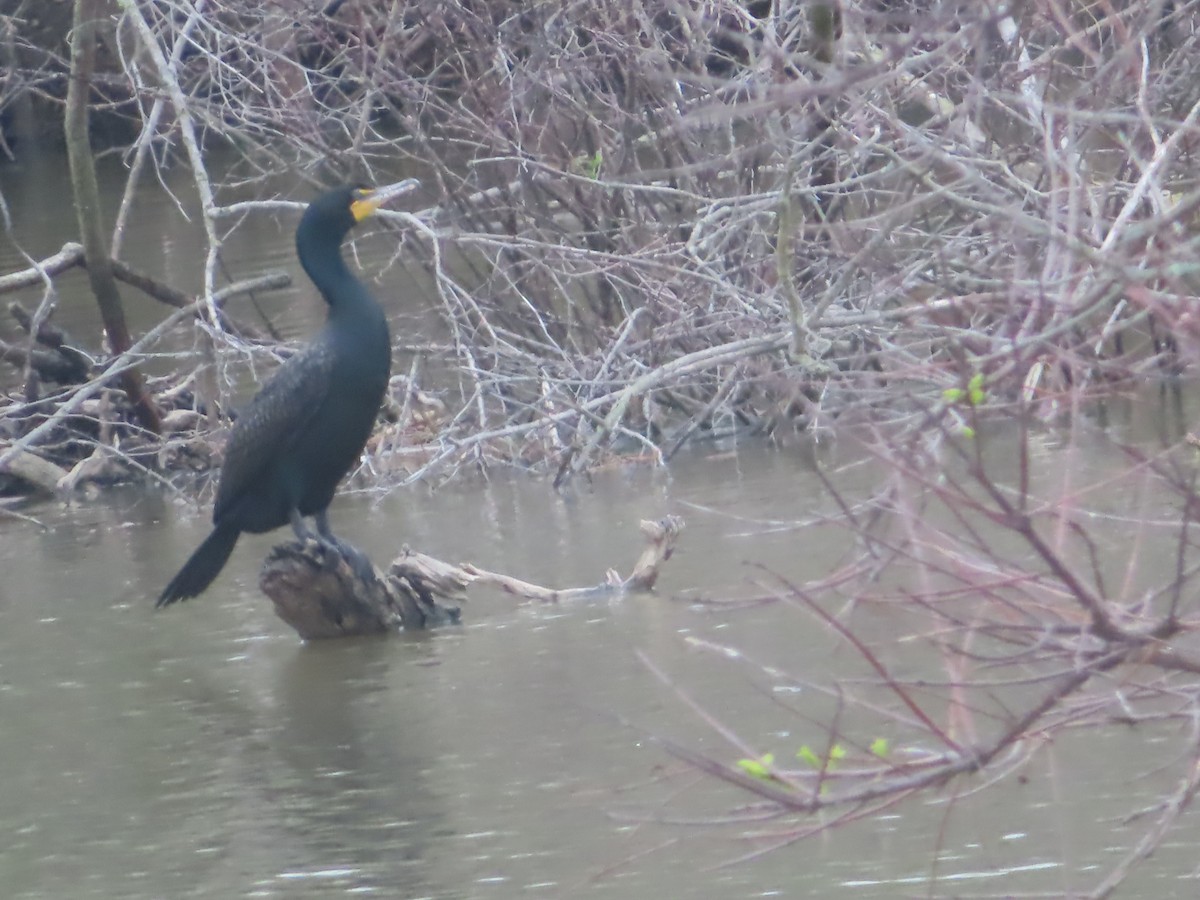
202, 751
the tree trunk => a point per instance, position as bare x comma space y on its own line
87, 208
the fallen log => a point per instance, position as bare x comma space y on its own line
325, 592
321, 592
32, 471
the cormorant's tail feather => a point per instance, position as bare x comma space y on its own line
203, 566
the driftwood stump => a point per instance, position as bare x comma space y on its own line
322, 593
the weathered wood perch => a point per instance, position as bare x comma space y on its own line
322, 594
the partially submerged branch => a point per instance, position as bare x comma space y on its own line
660, 537
323, 593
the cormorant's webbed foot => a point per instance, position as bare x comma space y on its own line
359, 562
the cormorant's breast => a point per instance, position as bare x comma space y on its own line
355, 350
307, 427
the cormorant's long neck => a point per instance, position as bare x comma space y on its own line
322, 260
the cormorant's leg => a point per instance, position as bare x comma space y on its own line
358, 560
323, 529
302, 531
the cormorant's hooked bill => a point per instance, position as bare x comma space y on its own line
368, 200
308, 425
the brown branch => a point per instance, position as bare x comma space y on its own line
794, 594
87, 206
72, 255
149, 286
323, 592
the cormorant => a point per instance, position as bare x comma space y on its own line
304, 430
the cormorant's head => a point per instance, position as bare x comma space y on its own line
339, 210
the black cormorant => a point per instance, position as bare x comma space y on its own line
304, 430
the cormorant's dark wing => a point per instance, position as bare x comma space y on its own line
272, 421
